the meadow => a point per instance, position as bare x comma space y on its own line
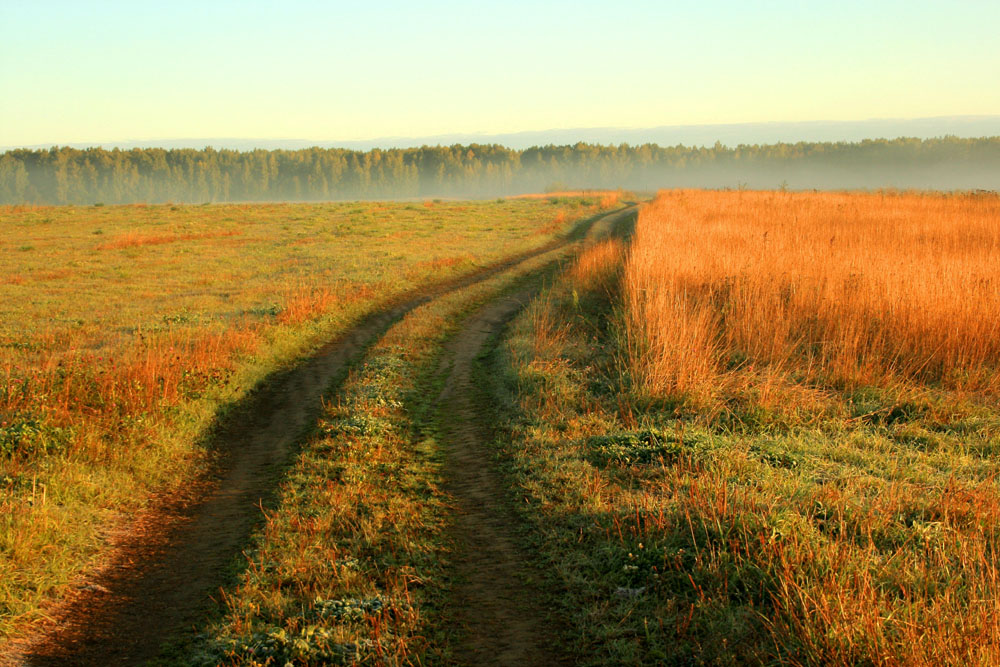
352, 564
126, 330
741, 427
765, 431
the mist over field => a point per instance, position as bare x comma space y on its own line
75, 176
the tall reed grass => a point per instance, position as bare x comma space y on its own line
773, 440
724, 290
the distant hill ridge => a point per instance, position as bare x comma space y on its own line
730, 134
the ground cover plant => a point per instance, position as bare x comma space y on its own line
766, 430
124, 331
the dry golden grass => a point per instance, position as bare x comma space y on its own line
774, 440
607, 198
610, 199
596, 265
725, 289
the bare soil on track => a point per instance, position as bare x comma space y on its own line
497, 596
166, 566
494, 602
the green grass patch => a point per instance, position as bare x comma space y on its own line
129, 329
633, 448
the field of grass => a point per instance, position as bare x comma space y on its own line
760, 428
765, 431
767, 291
125, 330
352, 564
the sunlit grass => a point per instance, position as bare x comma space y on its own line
360, 526
725, 289
124, 329
709, 491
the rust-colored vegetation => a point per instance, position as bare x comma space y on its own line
773, 438
557, 223
597, 265
727, 291
610, 199
135, 239
556, 194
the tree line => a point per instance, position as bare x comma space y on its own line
62, 175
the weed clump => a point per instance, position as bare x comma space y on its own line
24, 434
633, 448
311, 644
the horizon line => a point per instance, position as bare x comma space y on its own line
430, 139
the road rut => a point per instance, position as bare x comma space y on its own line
493, 601
165, 570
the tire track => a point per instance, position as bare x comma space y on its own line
163, 573
498, 613
494, 603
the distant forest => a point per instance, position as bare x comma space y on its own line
73, 176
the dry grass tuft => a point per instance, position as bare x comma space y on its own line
597, 266
610, 200
135, 239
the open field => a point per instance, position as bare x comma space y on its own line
125, 330
823, 290
766, 431
738, 428
362, 523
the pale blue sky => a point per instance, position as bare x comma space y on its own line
78, 71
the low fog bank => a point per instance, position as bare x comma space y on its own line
153, 175
942, 177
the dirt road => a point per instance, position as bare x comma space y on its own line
496, 600
166, 569
500, 619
